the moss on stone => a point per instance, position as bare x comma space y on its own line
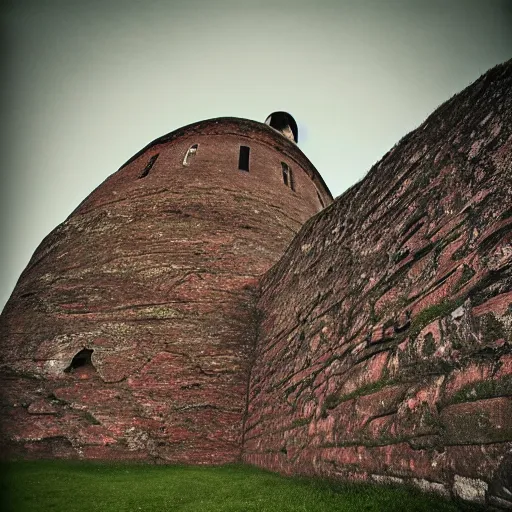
388, 323
491, 328
460, 252
431, 419
467, 274
300, 422
429, 314
91, 419
483, 389
384, 440
480, 291
429, 345
423, 251
433, 366
333, 400
373, 316
452, 236
290, 389
398, 256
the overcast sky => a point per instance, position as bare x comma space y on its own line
86, 84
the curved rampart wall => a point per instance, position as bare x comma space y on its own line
385, 345
155, 273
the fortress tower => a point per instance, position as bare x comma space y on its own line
130, 333
180, 315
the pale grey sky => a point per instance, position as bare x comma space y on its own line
89, 83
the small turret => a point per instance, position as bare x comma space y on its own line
284, 123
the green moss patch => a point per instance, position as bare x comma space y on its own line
300, 422
483, 389
429, 345
333, 400
429, 314
467, 274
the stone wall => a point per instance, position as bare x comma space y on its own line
384, 351
130, 333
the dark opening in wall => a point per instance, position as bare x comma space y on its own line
82, 358
287, 176
243, 159
190, 154
148, 167
284, 123
320, 199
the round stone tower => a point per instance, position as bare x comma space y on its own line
130, 333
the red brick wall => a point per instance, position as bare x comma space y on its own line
157, 275
385, 345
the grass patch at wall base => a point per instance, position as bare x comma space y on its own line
85, 486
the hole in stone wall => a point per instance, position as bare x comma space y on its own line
191, 153
243, 159
148, 167
82, 358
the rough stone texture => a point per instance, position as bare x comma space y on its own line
470, 489
155, 273
383, 335
386, 332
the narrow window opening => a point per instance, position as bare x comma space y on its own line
82, 358
243, 159
190, 154
320, 199
148, 167
287, 176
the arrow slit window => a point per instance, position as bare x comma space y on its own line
243, 159
287, 176
190, 154
148, 167
320, 199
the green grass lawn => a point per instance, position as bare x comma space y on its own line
84, 486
